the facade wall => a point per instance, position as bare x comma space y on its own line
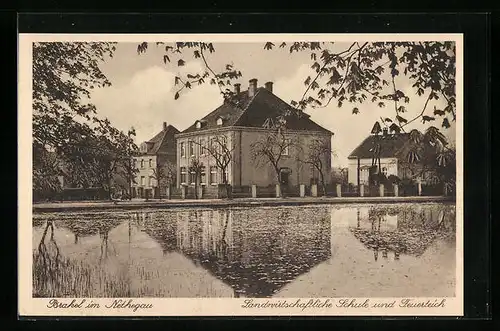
389, 167
145, 165
262, 173
185, 155
243, 170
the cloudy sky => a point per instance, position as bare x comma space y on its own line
142, 94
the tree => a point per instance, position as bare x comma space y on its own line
353, 73
46, 183
270, 148
129, 166
222, 153
64, 73
318, 153
196, 168
114, 151
429, 156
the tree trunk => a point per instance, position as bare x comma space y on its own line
323, 182
158, 181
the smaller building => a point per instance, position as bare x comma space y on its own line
382, 153
155, 164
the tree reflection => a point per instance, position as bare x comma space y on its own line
45, 263
404, 229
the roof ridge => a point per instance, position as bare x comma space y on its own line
359, 145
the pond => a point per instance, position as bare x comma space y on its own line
331, 251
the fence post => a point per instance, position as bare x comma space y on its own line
169, 194
445, 190
361, 190
254, 191
314, 190
200, 192
339, 190
183, 191
396, 190
419, 188
381, 190
302, 190
278, 191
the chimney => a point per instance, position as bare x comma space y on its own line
252, 87
269, 86
237, 88
165, 126
384, 130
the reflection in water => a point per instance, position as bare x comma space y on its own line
256, 256
404, 230
255, 252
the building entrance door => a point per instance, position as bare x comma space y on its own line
284, 178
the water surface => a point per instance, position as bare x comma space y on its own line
290, 251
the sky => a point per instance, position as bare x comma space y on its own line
142, 92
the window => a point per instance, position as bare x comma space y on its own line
143, 179
142, 164
191, 148
198, 125
183, 150
226, 173
203, 147
135, 164
203, 179
213, 175
151, 181
364, 175
192, 177
286, 149
219, 121
384, 171
218, 144
150, 163
183, 175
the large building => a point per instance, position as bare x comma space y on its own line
156, 160
241, 121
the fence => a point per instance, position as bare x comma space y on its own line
270, 191
80, 194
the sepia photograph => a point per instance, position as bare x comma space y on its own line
240, 174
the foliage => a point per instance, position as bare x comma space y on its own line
46, 182
90, 150
165, 175
429, 156
63, 75
357, 73
199, 50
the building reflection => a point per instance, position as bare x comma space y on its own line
255, 253
410, 230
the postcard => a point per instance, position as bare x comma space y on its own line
240, 175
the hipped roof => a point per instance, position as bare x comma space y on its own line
245, 111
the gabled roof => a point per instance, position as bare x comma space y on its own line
390, 144
245, 111
155, 143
